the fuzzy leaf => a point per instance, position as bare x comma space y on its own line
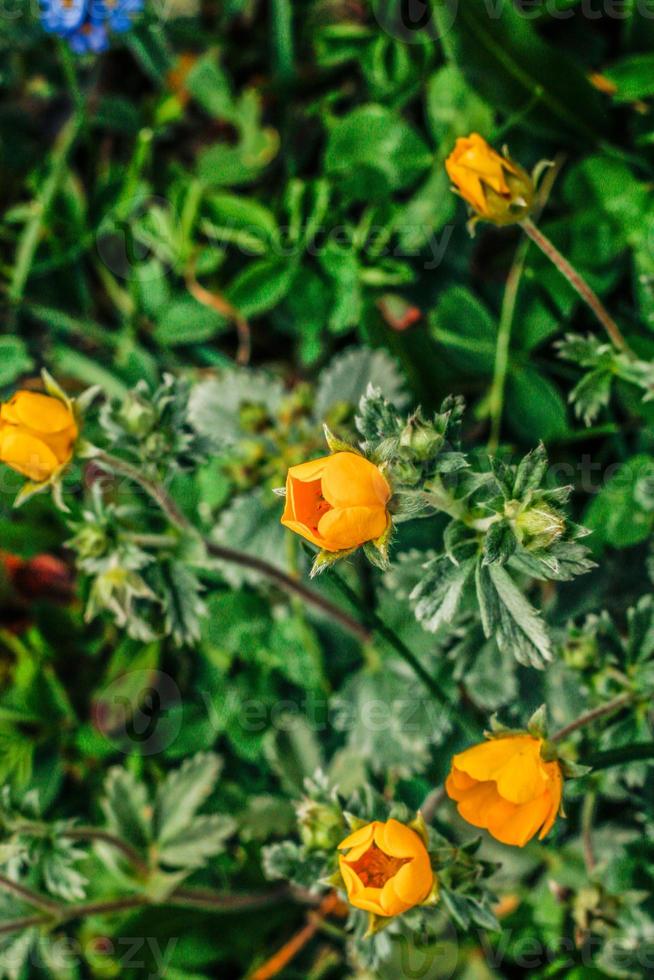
506, 614
182, 794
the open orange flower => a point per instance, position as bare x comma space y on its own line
387, 868
505, 786
37, 434
495, 187
337, 502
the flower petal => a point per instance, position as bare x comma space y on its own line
41, 413
343, 528
350, 480
27, 454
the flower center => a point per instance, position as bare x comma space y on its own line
311, 504
375, 867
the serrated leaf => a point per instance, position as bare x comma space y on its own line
346, 379
197, 841
214, 405
182, 794
251, 523
499, 543
507, 615
293, 751
530, 471
437, 597
125, 806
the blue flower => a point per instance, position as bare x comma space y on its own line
118, 14
89, 38
62, 16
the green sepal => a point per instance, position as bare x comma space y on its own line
337, 445
377, 551
498, 730
54, 389
434, 896
573, 770
28, 490
353, 822
420, 827
376, 923
325, 559
537, 724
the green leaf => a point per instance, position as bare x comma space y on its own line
200, 839
292, 751
215, 404
185, 321
464, 326
622, 513
438, 595
183, 792
251, 523
534, 405
499, 543
345, 380
454, 109
14, 359
499, 51
372, 151
633, 77
261, 285
507, 615
126, 808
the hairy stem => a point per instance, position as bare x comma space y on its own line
104, 837
279, 578
379, 626
31, 897
24, 922
579, 284
593, 715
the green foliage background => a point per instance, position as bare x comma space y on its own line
287, 159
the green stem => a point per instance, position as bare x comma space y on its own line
379, 626
33, 898
102, 836
621, 701
282, 37
579, 284
24, 922
496, 398
29, 239
275, 575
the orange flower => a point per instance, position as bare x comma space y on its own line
505, 786
337, 502
387, 869
493, 185
37, 435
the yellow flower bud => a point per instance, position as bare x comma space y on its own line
387, 869
495, 187
337, 502
506, 787
37, 435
